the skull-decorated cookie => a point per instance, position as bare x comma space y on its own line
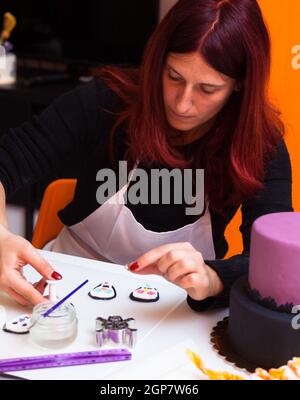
145, 293
104, 291
19, 325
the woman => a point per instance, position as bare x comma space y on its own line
198, 101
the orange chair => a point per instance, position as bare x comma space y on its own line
57, 195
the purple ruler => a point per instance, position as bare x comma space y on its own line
64, 360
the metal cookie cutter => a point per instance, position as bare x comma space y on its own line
116, 331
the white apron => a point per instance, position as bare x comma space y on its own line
111, 233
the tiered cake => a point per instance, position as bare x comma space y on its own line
264, 325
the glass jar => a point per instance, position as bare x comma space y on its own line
58, 329
8, 67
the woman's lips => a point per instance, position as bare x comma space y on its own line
180, 116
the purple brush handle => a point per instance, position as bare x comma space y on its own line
95, 360
18, 362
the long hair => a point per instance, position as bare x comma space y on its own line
232, 37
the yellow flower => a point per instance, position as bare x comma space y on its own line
212, 375
9, 22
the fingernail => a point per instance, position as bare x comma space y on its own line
55, 275
134, 266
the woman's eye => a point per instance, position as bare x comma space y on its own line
173, 78
207, 91
176, 78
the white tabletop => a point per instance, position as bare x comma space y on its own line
165, 328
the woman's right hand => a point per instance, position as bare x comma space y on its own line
15, 252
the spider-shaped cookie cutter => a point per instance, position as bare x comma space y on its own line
116, 331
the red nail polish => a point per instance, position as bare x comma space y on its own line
134, 266
55, 275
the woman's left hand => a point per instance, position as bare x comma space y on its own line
181, 264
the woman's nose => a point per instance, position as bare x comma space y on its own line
184, 101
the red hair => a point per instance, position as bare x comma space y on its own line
232, 37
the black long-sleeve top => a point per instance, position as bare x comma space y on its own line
73, 132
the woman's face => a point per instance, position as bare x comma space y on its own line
193, 91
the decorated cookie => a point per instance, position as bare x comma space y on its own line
18, 325
104, 291
145, 293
